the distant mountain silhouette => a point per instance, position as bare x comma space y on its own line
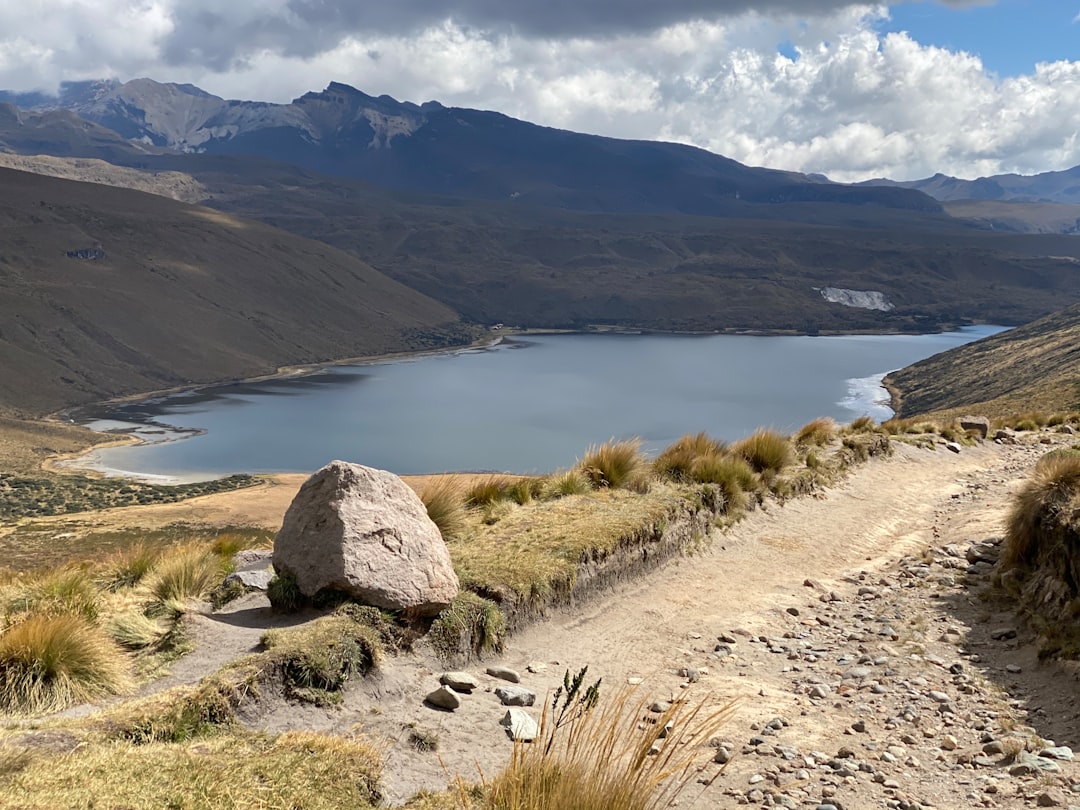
430, 148
1057, 187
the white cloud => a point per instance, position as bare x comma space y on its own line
853, 104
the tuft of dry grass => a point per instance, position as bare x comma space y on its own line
613, 756
188, 572
816, 433
238, 771
614, 465
676, 462
488, 491
445, 504
1052, 487
570, 482
135, 631
766, 451
471, 625
68, 591
48, 663
733, 476
126, 568
863, 424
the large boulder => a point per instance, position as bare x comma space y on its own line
364, 533
978, 424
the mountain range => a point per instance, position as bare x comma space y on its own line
481, 217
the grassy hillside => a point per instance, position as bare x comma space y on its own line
168, 294
1033, 367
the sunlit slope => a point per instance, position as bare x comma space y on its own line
1032, 367
168, 294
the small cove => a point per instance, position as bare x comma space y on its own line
528, 405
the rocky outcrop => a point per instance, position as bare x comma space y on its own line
978, 424
363, 532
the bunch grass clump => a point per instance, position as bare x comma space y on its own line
188, 572
67, 591
615, 465
766, 451
134, 630
676, 462
488, 491
816, 433
731, 474
564, 484
126, 568
471, 625
445, 505
863, 424
1051, 489
48, 663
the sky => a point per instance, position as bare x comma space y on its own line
851, 90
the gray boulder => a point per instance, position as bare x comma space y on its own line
365, 533
979, 424
258, 580
520, 725
515, 696
444, 698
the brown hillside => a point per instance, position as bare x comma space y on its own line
178, 295
1032, 367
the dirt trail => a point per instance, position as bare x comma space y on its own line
745, 582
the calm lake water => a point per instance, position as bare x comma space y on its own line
528, 405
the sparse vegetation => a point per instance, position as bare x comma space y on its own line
1055, 483
284, 594
33, 496
188, 572
570, 482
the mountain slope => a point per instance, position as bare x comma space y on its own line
1032, 367
468, 153
1059, 187
105, 291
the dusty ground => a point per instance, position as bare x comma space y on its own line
893, 633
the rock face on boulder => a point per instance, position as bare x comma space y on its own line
363, 532
979, 424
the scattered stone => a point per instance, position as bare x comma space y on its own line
722, 756
660, 706
938, 697
1002, 633
819, 691
365, 533
793, 611
949, 743
504, 674
536, 667
460, 681
1027, 764
953, 447
256, 580
1061, 752
515, 696
520, 725
977, 424
1050, 798
1013, 669
249, 559
444, 698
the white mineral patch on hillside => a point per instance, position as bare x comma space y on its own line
864, 299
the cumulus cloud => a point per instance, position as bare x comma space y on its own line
852, 102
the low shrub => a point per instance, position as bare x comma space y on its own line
471, 625
284, 594
445, 505
317, 659
816, 433
614, 465
766, 451
48, 663
1055, 482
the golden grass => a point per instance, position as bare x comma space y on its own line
185, 573
732, 474
1053, 487
127, 567
676, 462
615, 465
616, 756
67, 591
443, 498
569, 482
48, 663
765, 450
536, 548
816, 433
135, 631
238, 771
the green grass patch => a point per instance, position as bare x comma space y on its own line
36, 496
471, 625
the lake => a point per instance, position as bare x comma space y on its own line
527, 405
